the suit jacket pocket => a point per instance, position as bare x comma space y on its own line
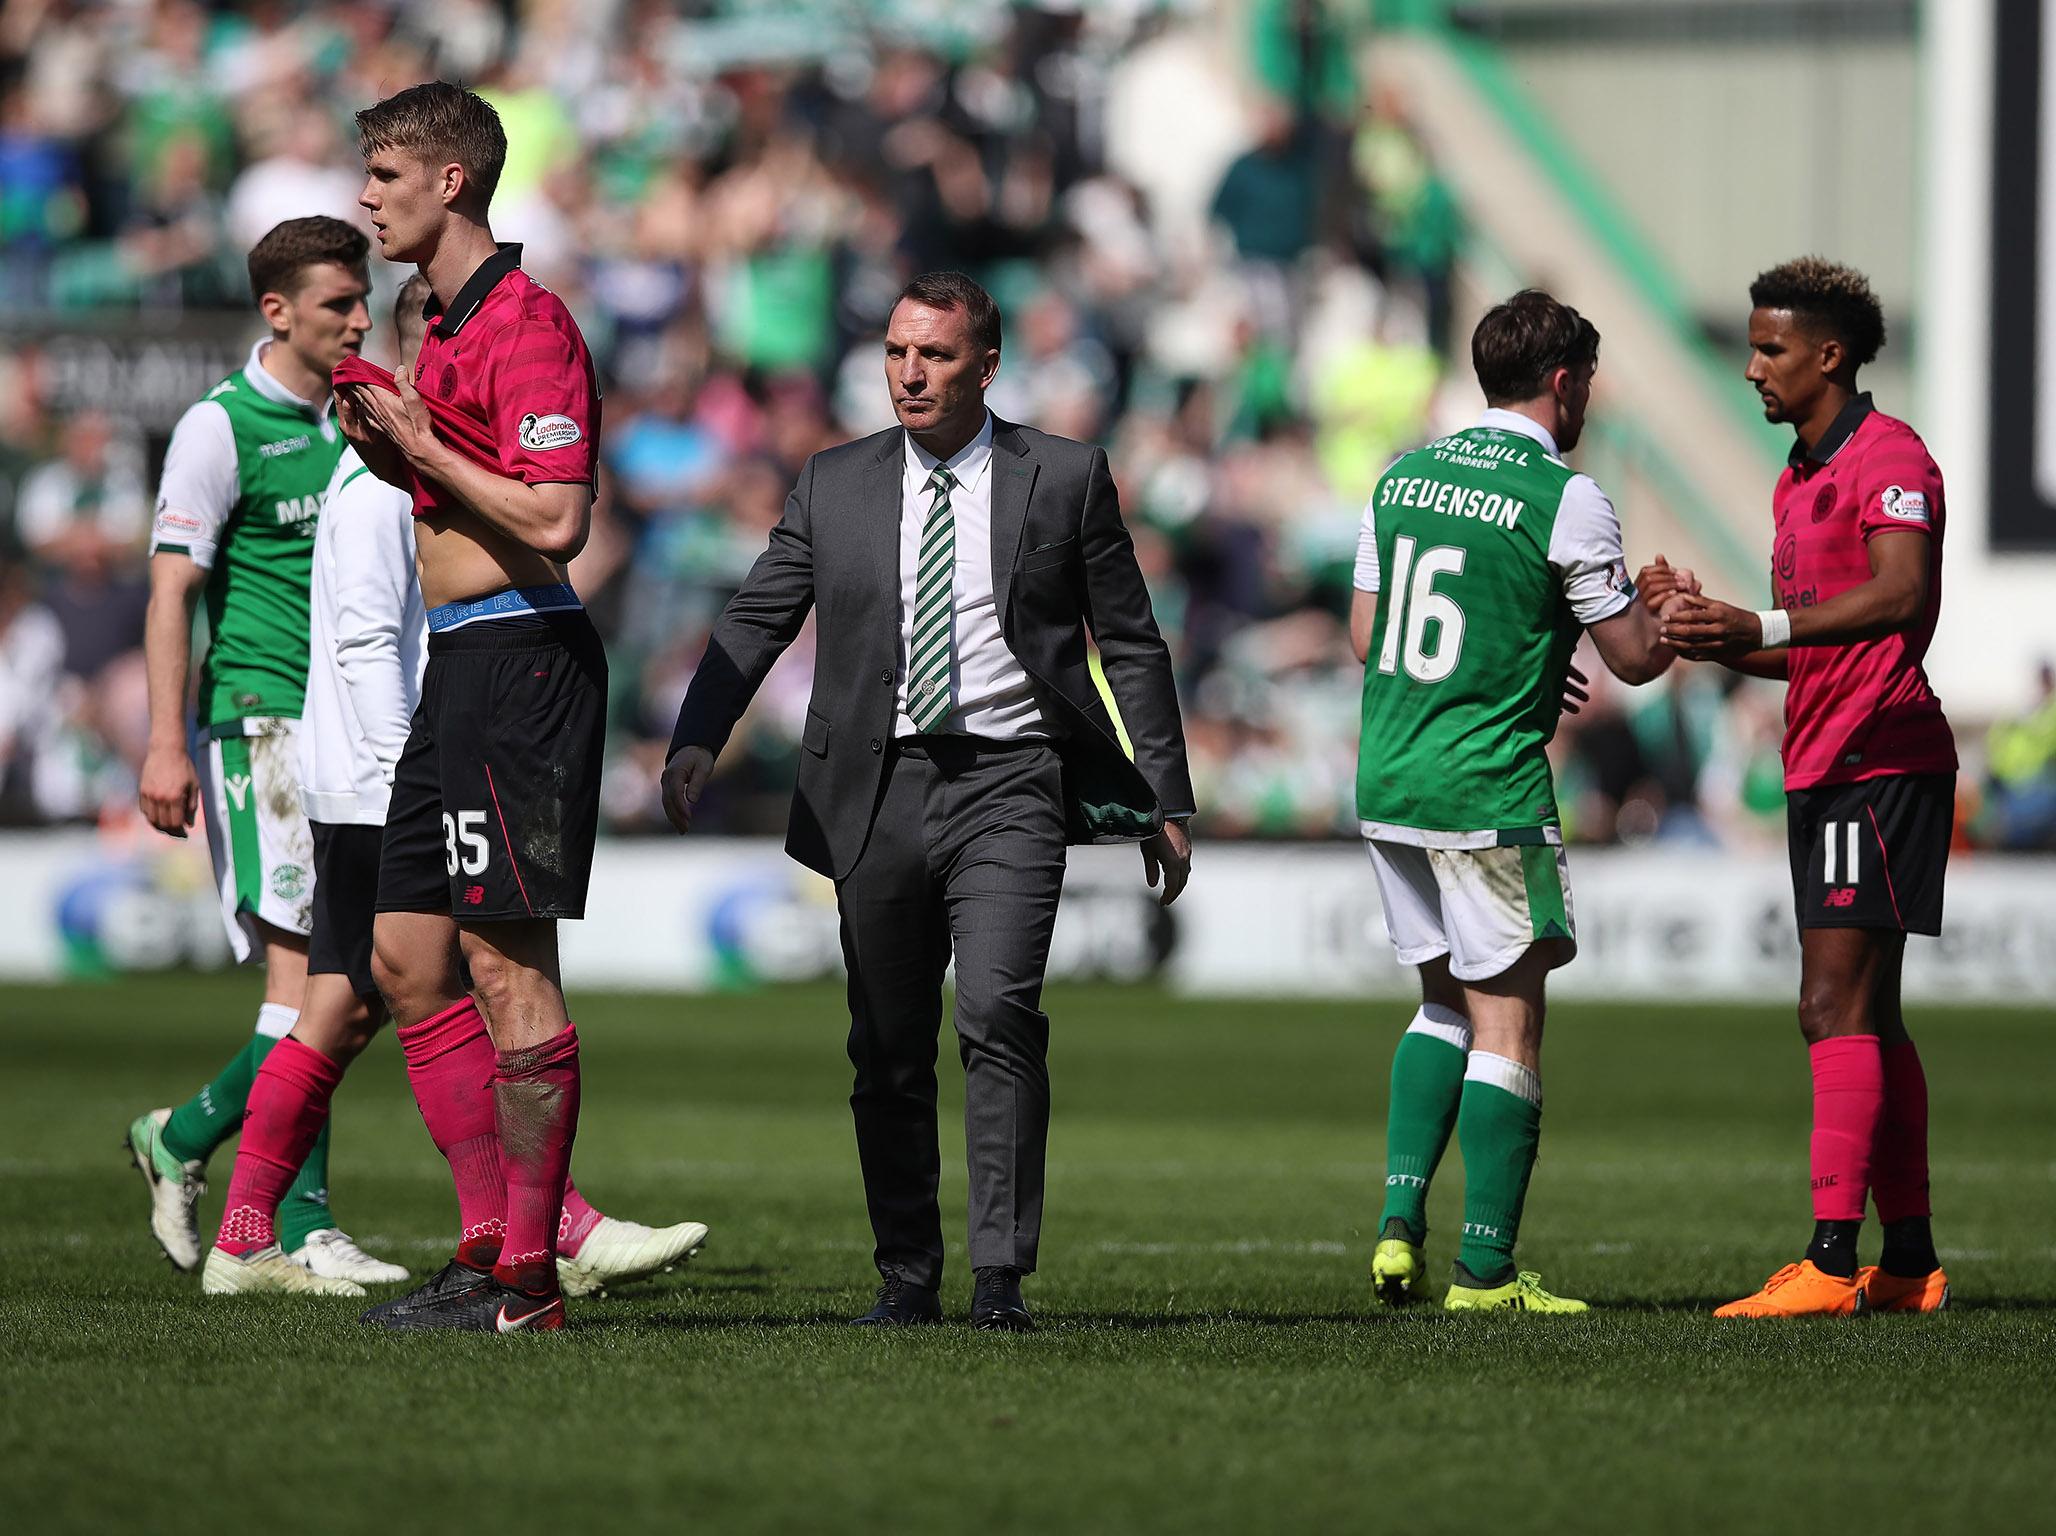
814, 735
1043, 556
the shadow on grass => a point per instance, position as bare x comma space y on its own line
1046, 1322
1676, 1305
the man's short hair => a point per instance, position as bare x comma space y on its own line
440, 122
279, 262
953, 290
1825, 297
1520, 343
408, 303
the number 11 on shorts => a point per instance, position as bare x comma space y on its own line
461, 831
1835, 832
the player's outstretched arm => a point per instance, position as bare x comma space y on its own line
168, 790
1892, 601
1631, 645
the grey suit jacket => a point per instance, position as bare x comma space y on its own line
1063, 565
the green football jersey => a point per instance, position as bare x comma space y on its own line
1489, 555
241, 493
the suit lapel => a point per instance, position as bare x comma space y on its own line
881, 507
1013, 484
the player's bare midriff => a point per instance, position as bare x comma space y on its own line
462, 559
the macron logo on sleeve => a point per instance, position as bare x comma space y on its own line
538, 434
1907, 506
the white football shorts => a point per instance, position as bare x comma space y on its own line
1482, 907
257, 833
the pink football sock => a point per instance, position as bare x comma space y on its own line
287, 1107
1848, 1102
575, 1221
450, 1065
1901, 1173
536, 1094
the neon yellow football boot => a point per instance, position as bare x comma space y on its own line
1397, 1265
1523, 1293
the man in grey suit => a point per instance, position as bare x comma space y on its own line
954, 745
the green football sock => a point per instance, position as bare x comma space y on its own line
1427, 1083
206, 1120
1499, 1127
305, 1207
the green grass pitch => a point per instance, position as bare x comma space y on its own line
1208, 1361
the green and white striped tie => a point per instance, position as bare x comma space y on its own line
928, 697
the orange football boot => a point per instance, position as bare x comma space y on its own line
1897, 1293
1800, 1290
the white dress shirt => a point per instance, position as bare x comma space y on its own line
989, 690
368, 643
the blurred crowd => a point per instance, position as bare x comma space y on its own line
1216, 252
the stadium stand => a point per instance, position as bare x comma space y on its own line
1228, 248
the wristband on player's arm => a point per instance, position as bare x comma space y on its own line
1777, 628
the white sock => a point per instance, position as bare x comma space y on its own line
1502, 1072
1440, 1023
275, 1020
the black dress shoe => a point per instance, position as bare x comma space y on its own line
996, 1304
901, 1303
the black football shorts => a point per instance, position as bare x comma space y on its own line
496, 799
346, 857
1872, 854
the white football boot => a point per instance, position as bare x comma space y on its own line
175, 1190
616, 1250
331, 1254
268, 1271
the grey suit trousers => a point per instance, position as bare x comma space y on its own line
965, 856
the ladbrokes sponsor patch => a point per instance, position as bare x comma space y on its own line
540, 433
1907, 506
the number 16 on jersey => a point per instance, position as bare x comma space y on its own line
1416, 605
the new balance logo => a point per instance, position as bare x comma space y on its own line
474, 895
1845, 896
238, 787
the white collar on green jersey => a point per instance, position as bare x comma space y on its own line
270, 388
1514, 421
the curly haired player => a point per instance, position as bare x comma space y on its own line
1870, 769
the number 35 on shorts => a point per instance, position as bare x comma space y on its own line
464, 844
